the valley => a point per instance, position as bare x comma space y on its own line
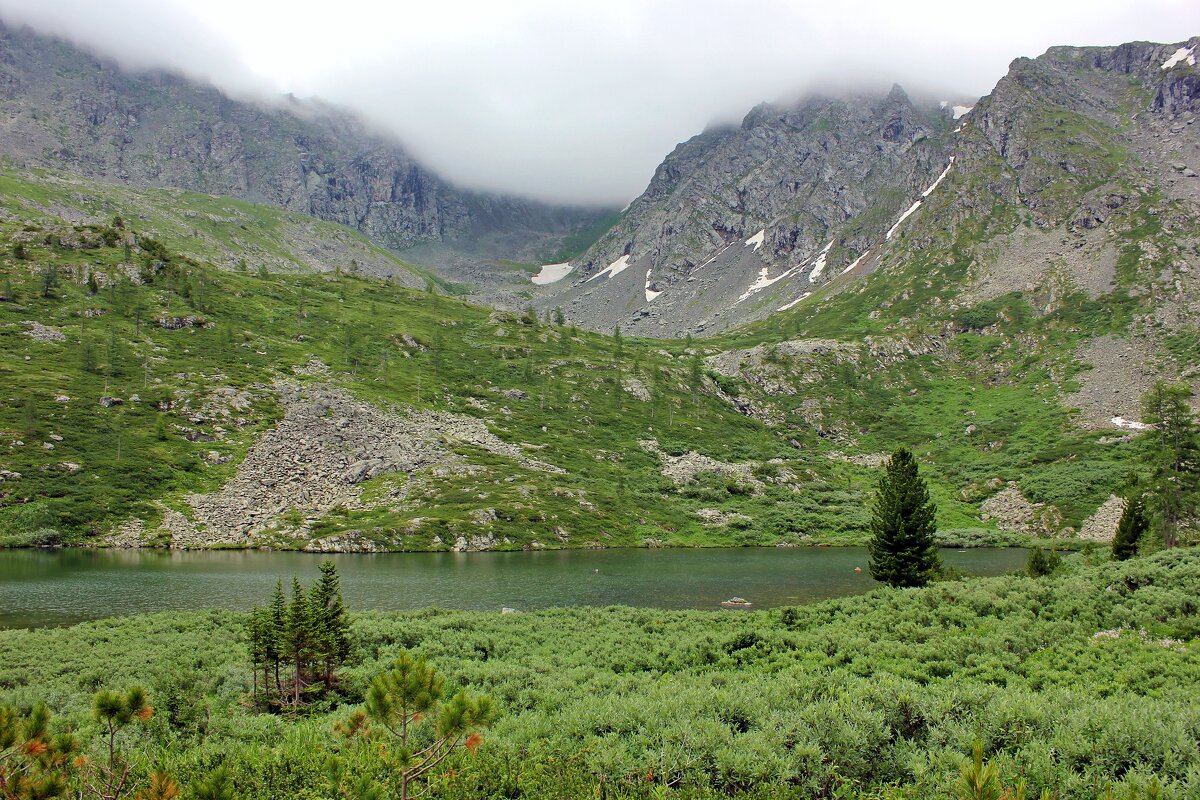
856, 457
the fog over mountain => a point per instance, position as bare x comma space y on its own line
579, 101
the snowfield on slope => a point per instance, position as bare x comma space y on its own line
552, 273
613, 269
916, 205
1187, 54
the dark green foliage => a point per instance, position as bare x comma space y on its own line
1176, 460
902, 546
1134, 524
306, 638
19, 252
1042, 562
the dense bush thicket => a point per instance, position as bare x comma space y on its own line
1073, 682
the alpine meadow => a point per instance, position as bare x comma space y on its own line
330, 470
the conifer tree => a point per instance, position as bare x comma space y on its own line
330, 624
1176, 461
902, 549
410, 696
6, 289
49, 280
277, 632
217, 785
1133, 525
298, 638
109, 779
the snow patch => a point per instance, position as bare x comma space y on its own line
650, 293
916, 205
819, 264
940, 178
795, 302
1187, 54
552, 273
960, 111
714, 258
613, 269
1130, 424
757, 239
855, 263
762, 282
904, 216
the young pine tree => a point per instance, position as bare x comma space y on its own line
109, 778
409, 697
902, 547
1133, 525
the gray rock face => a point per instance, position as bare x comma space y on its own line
822, 181
62, 108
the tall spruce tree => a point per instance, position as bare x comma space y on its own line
299, 639
277, 632
1133, 525
1176, 460
330, 625
902, 548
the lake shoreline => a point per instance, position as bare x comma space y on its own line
992, 539
50, 587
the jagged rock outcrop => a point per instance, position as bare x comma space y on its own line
793, 195
63, 108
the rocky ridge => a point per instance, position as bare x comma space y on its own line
63, 108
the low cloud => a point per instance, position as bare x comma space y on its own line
580, 101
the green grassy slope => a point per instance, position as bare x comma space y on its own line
979, 391
389, 345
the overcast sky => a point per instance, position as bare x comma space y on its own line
579, 100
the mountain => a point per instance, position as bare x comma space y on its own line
63, 108
998, 299
772, 208
739, 224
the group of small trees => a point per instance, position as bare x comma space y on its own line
297, 645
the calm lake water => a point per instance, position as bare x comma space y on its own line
47, 587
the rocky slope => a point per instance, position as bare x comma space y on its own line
740, 221
62, 108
